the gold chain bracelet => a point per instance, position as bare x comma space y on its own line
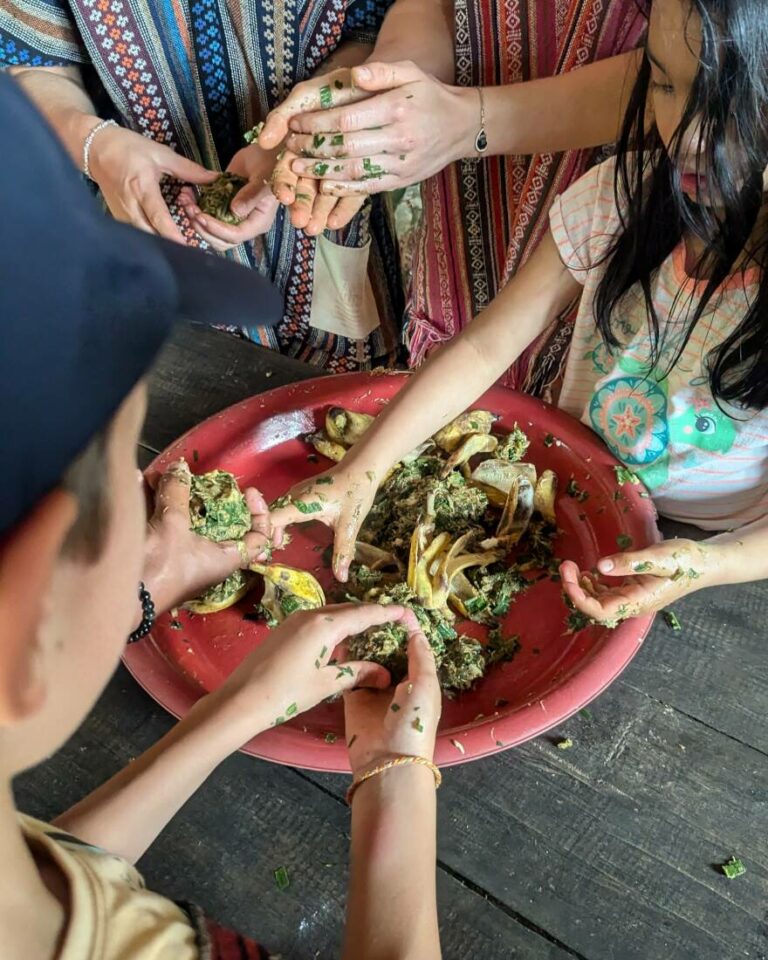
390, 765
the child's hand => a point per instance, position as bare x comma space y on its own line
653, 578
386, 723
301, 663
179, 563
340, 498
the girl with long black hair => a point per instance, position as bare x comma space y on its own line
666, 243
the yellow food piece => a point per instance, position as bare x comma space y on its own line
473, 421
298, 583
328, 448
203, 605
346, 426
544, 496
496, 477
471, 445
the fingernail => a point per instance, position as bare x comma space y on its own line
202, 221
606, 565
363, 73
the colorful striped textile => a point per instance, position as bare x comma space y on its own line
483, 218
194, 74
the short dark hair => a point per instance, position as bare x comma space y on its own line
86, 479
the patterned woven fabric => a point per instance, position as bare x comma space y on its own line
483, 218
194, 74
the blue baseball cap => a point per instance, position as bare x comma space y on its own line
85, 305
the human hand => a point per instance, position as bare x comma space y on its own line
179, 563
128, 169
340, 498
308, 209
254, 203
383, 724
653, 578
299, 664
409, 127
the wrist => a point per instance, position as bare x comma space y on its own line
467, 122
724, 563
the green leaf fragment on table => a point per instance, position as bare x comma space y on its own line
625, 475
575, 491
624, 541
548, 440
292, 710
565, 744
303, 507
281, 879
671, 621
330, 737
587, 714
733, 868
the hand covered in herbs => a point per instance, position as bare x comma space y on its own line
128, 169
180, 564
340, 498
397, 126
254, 204
650, 579
300, 663
389, 723
310, 209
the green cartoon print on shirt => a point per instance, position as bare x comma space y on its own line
632, 413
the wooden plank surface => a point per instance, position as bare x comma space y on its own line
607, 851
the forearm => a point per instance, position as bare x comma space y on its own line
422, 31
392, 903
742, 554
59, 95
127, 813
463, 369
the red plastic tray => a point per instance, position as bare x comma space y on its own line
553, 675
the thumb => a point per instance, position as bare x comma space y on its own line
173, 489
639, 562
184, 169
254, 194
275, 128
385, 76
361, 673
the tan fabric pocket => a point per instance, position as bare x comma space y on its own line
342, 296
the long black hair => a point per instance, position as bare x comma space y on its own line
729, 102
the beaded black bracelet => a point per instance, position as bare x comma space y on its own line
147, 616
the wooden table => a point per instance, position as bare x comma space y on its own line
607, 851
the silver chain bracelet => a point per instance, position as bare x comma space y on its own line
89, 140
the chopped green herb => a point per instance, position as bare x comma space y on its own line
280, 502
417, 725
317, 664
395, 707
671, 621
326, 98
500, 743
338, 168
254, 133
345, 672
402, 156
643, 567
577, 621
565, 744
733, 868
318, 140
371, 475
320, 169
304, 507
337, 140
625, 475
372, 170
330, 737
291, 710
624, 541
320, 480
575, 491
587, 714
175, 624
678, 574
304, 196
338, 84
548, 440
281, 879
323, 652
693, 574
278, 721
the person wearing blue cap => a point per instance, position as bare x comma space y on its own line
78, 337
